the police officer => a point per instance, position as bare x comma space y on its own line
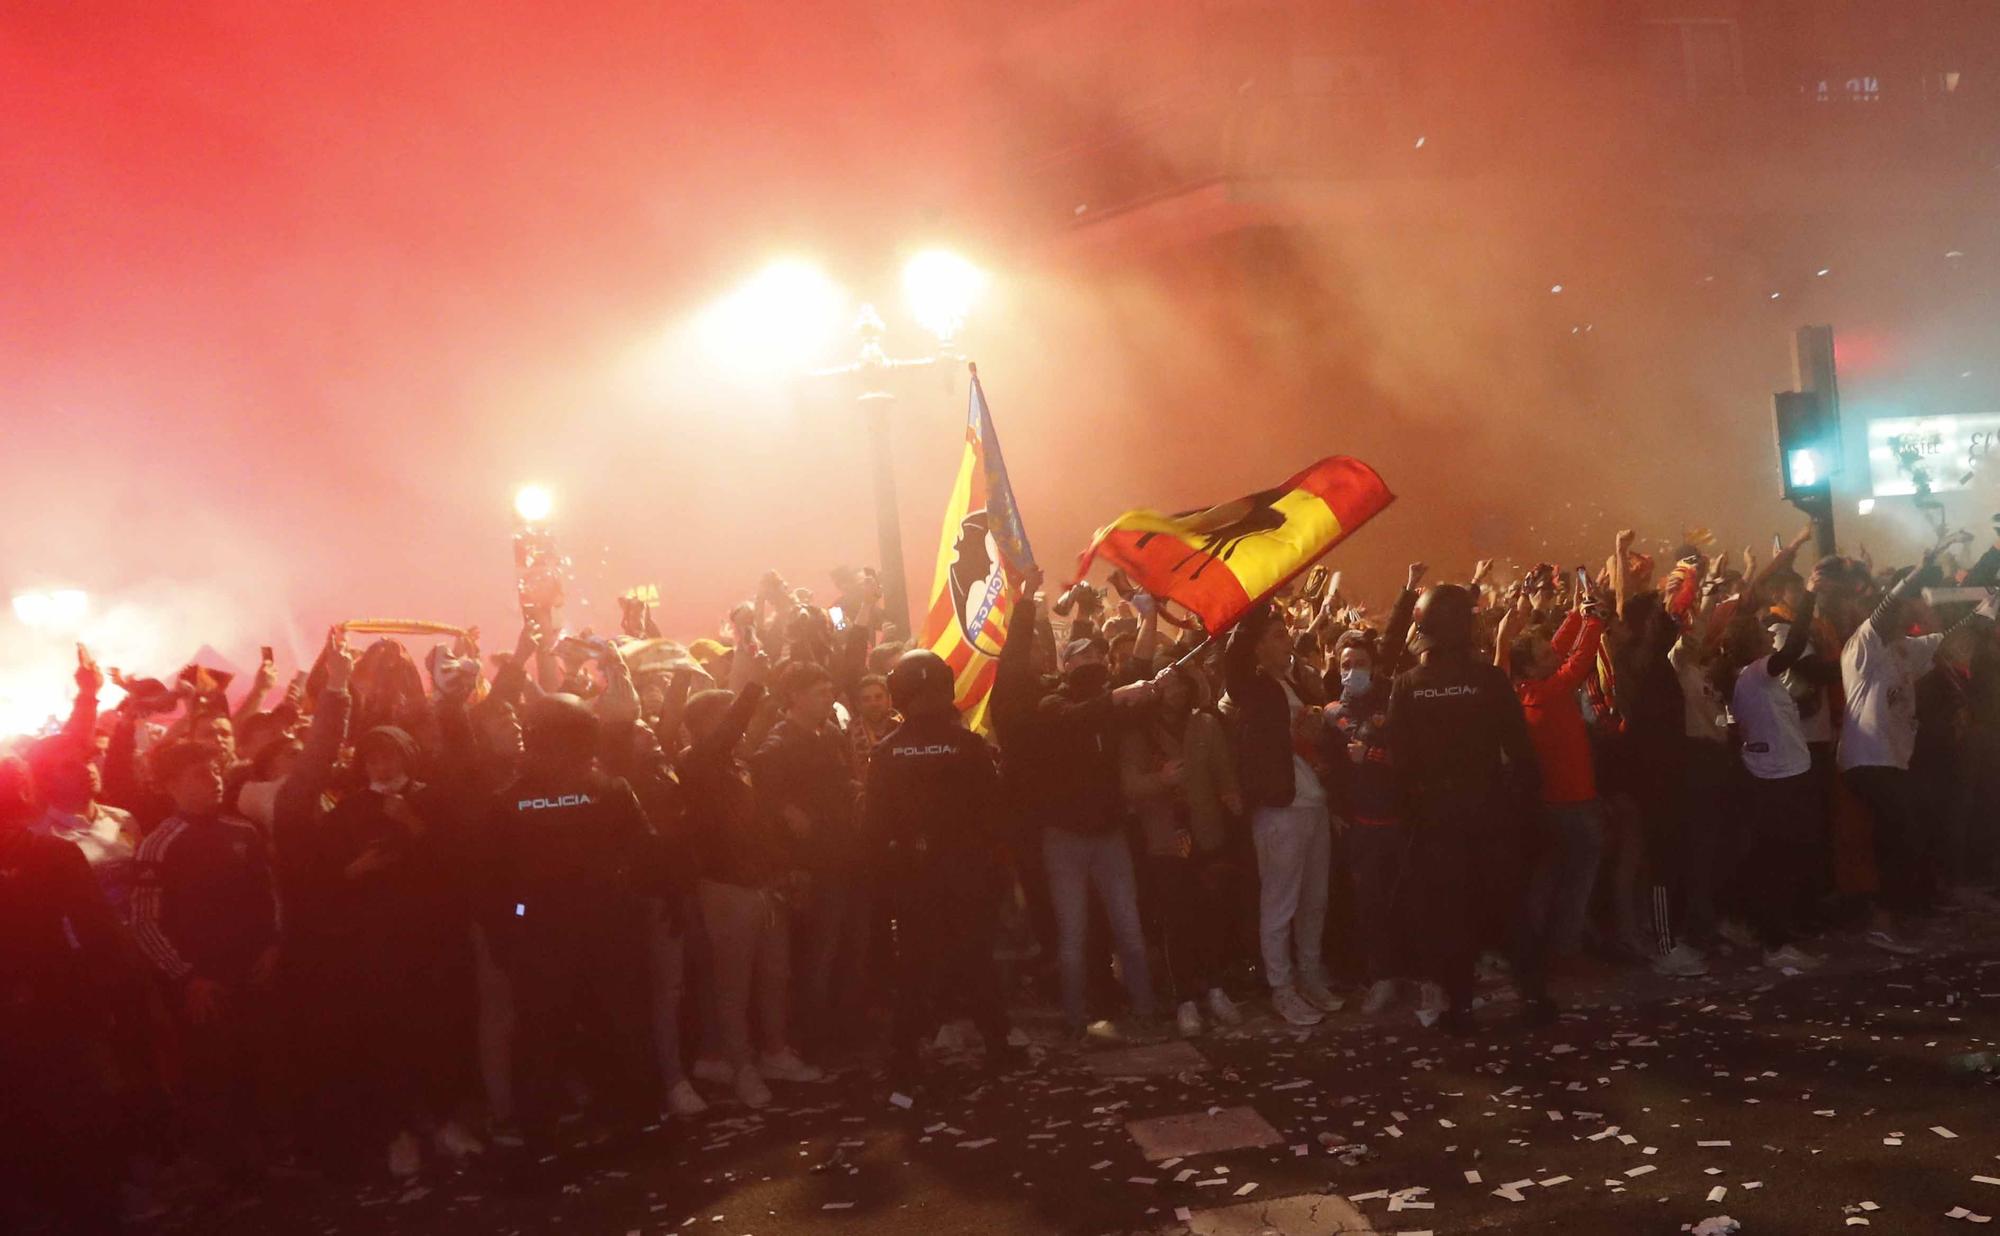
1460, 745
570, 852
933, 796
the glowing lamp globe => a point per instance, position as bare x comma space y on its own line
51, 609
783, 317
942, 287
533, 504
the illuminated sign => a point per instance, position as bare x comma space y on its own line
1928, 454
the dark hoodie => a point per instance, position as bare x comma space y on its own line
810, 770
733, 841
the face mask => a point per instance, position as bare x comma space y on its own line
1780, 632
1355, 681
389, 787
1089, 679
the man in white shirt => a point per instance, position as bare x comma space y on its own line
1879, 668
68, 784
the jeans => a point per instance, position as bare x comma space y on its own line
669, 957
1075, 862
1294, 861
1378, 856
496, 1027
746, 936
1570, 845
838, 919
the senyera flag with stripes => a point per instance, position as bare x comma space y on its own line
982, 557
1223, 561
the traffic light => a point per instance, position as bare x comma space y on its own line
1808, 448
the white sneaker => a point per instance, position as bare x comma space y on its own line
950, 1037
455, 1142
1187, 1019
1381, 994
1975, 899
1293, 1008
1736, 933
1682, 961
710, 1069
406, 1157
1317, 995
785, 1066
1889, 943
1222, 1008
685, 1101
750, 1088
1789, 958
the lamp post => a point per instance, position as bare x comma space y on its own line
940, 287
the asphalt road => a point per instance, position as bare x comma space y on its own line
1821, 1095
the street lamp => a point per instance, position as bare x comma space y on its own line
941, 288
790, 311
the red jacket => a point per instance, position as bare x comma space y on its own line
1555, 722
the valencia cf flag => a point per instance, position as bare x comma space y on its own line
980, 563
1223, 561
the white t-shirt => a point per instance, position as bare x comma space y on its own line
1774, 742
1881, 683
1701, 707
1306, 789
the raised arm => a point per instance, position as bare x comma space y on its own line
1586, 634
310, 776
1799, 638
1620, 583
1013, 697
261, 683
1907, 588
1395, 640
82, 724
1783, 560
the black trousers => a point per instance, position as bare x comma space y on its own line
1902, 850
1191, 902
59, 1161
1774, 879
582, 999
947, 919
1467, 869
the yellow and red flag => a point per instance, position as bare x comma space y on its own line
981, 560
1223, 561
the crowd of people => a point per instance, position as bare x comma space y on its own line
403, 914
